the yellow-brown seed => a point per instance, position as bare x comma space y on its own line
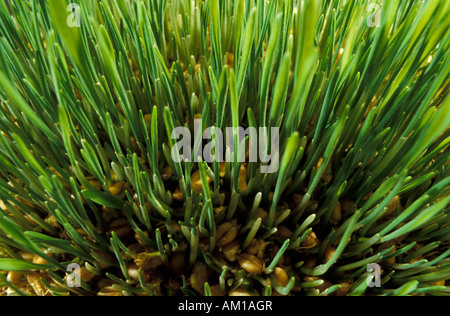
121, 227
178, 262
262, 248
139, 239
3, 206
196, 181
231, 250
31, 221
284, 232
133, 272
367, 196
26, 256
390, 244
106, 153
204, 243
148, 261
341, 52
416, 259
175, 226
325, 285
336, 215
261, 213
166, 173
310, 241
220, 210
118, 222
216, 290
250, 263
148, 117
117, 188
106, 256
23, 286
310, 263
438, 283
39, 260
134, 144
96, 184
273, 252
199, 277
319, 163
297, 198
240, 291
102, 283
347, 205
230, 59
329, 253
178, 195
343, 290
86, 275
253, 247
222, 169
34, 279
52, 221
281, 276
226, 233
109, 291
14, 277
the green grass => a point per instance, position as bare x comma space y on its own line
86, 174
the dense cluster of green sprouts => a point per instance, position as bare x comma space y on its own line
90, 94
